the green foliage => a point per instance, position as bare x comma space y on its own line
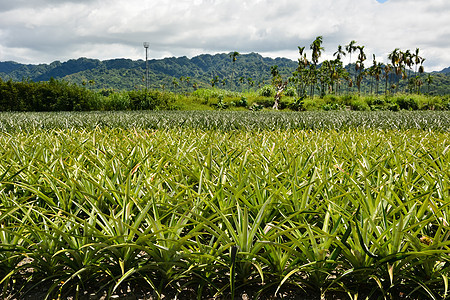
359, 105
207, 205
227, 120
290, 92
53, 95
150, 100
267, 91
61, 96
252, 70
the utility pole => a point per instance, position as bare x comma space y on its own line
146, 45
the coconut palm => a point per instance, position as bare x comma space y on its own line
300, 75
317, 49
417, 59
377, 74
407, 58
396, 58
359, 67
350, 48
429, 80
387, 70
233, 56
339, 53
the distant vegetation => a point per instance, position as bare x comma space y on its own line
229, 81
56, 95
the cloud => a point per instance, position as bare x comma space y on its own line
48, 30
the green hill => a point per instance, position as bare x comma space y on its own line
181, 74
169, 73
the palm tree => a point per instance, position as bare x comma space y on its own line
339, 53
317, 49
417, 59
233, 56
377, 75
299, 76
214, 80
387, 70
396, 58
350, 48
360, 66
421, 71
407, 57
341, 72
174, 83
429, 80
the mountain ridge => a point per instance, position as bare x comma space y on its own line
250, 70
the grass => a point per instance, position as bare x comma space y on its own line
241, 203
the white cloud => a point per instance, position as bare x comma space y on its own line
59, 30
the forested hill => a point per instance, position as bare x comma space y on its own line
168, 73
249, 71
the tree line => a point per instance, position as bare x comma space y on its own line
60, 95
405, 68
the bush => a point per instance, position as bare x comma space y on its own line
267, 91
359, 104
407, 103
290, 92
53, 95
243, 102
331, 106
256, 107
117, 101
150, 100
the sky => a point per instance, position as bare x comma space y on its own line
42, 31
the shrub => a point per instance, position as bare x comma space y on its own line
407, 103
267, 91
359, 104
290, 92
242, 102
150, 100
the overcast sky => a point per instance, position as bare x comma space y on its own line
42, 31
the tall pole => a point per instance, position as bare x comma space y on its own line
146, 45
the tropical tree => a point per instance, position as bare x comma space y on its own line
396, 58
324, 76
359, 67
387, 71
339, 53
317, 49
188, 79
376, 73
350, 48
279, 84
429, 80
339, 73
407, 58
299, 77
214, 80
417, 59
174, 83
418, 62
233, 56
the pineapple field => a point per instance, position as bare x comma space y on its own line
224, 205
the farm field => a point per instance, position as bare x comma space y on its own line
221, 204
